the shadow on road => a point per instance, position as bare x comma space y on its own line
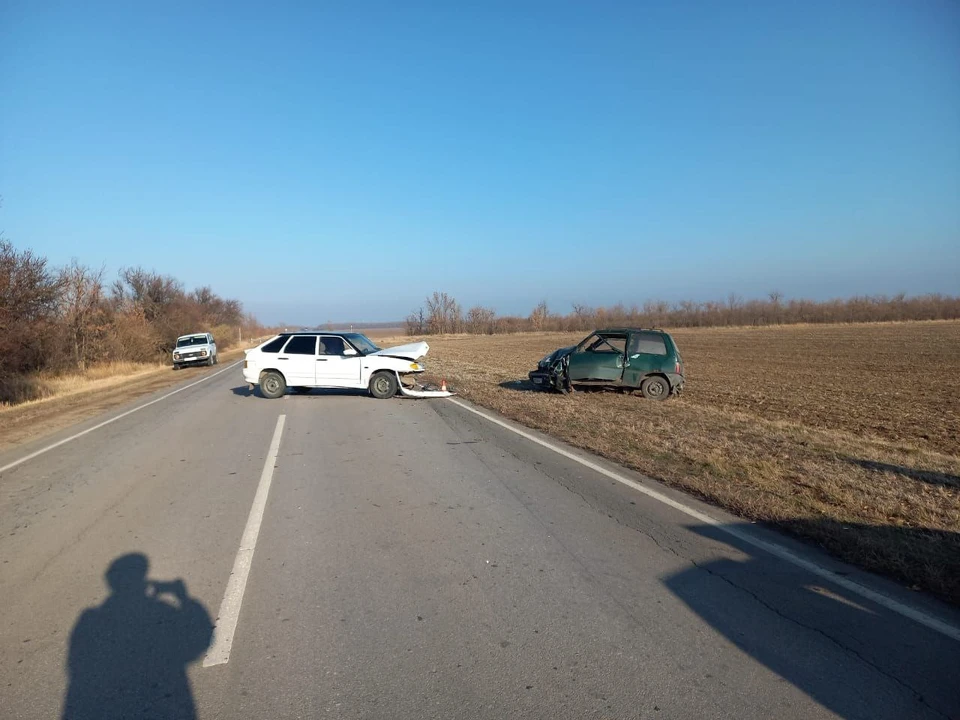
879, 664
245, 391
128, 657
326, 392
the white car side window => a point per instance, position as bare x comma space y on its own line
332, 345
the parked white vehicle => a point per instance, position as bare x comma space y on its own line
195, 349
305, 360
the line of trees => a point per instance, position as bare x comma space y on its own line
440, 314
69, 318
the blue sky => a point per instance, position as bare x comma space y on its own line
325, 161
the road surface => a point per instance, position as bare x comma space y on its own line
411, 559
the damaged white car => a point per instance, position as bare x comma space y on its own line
305, 360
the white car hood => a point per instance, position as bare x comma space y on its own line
413, 351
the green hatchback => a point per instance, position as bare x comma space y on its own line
626, 358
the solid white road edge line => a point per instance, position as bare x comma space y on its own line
57, 444
777, 550
219, 652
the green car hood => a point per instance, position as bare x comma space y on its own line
556, 355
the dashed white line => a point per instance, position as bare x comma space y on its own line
779, 551
219, 652
48, 448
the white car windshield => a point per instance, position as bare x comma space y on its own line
195, 340
361, 342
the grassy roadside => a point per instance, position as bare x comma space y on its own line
77, 397
48, 386
799, 428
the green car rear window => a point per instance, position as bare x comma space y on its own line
647, 343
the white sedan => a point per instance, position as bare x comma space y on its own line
305, 360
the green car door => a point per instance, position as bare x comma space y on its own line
599, 357
646, 353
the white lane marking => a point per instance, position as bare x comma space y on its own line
57, 444
219, 652
779, 551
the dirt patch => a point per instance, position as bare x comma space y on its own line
844, 435
896, 381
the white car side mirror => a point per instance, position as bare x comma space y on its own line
349, 351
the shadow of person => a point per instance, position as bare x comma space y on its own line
128, 657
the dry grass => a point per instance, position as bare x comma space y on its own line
848, 436
41, 388
76, 397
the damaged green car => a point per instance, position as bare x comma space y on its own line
621, 358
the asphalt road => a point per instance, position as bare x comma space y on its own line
410, 559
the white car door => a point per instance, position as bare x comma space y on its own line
335, 367
298, 360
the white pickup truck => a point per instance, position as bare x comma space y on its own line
195, 349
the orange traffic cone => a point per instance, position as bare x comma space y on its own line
443, 385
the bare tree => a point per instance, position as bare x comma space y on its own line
776, 311
416, 322
734, 304
82, 309
581, 318
539, 316
443, 314
150, 291
29, 297
481, 321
